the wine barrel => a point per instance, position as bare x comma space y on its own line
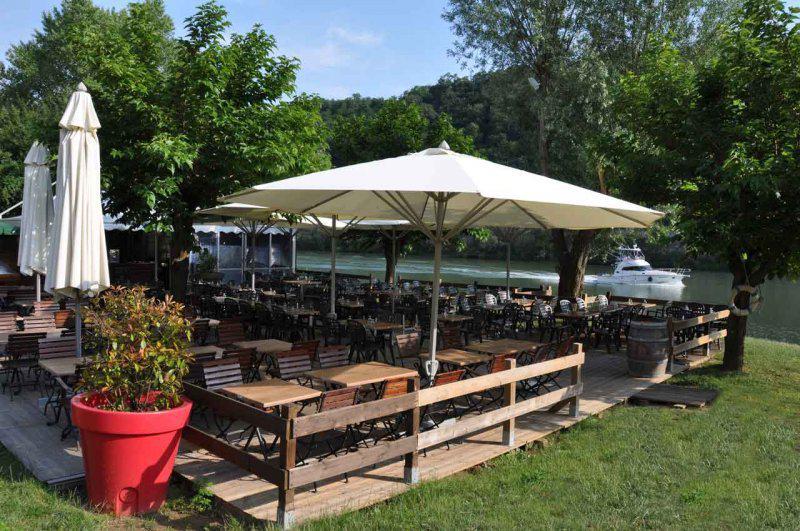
648, 348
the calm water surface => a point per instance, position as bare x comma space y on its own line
775, 320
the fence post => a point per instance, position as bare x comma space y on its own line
509, 398
671, 343
288, 456
411, 468
575, 379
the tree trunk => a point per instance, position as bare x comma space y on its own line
572, 252
733, 359
179, 248
390, 261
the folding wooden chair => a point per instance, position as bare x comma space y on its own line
429, 414
224, 372
8, 322
248, 362
230, 331
292, 365
333, 356
22, 352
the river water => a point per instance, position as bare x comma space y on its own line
776, 319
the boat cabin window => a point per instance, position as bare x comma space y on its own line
634, 268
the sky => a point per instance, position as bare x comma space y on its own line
374, 48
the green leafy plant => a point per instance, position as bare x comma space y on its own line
141, 347
206, 262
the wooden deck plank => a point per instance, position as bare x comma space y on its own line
675, 394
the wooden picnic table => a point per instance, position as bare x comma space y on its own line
265, 346
207, 349
270, 393
459, 358
454, 318
504, 346
371, 372
63, 367
380, 326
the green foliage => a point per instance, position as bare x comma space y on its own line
720, 138
206, 262
142, 351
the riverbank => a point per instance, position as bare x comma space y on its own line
730, 465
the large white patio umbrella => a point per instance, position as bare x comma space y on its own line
246, 214
441, 193
77, 263
37, 215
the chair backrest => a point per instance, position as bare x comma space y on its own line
565, 306
49, 306
502, 296
64, 319
443, 378
498, 362
307, 347
230, 331
580, 304
195, 374
60, 347
39, 322
602, 301
338, 398
450, 335
489, 299
8, 322
333, 356
292, 364
408, 345
225, 372
394, 387
247, 358
200, 330
24, 344
565, 347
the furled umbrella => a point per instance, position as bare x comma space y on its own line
77, 265
441, 192
37, 215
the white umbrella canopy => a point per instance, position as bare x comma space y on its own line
441, 192
77, 263
37, 214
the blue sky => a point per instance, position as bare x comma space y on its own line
375, 48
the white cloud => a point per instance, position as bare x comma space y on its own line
328, 55
361, 38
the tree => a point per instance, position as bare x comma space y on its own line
570, 52
186, 120
719, 138
396, 128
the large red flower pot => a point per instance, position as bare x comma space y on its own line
128, 457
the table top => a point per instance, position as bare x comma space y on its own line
460, 358
525, 303
303, 282
454, 318
207, 349
265, 346
361, 374
350, 304
380, 326
270, 393
637, 304
63, 366
578, 314
504, 346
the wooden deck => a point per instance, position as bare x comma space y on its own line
606, 383
25, 433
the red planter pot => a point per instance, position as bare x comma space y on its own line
128, 457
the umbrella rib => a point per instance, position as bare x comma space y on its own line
470, 216
611, 211
321, 225
408, 215
328, 200
534, 218
407, 203
350, 224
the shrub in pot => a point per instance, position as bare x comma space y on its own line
130, 412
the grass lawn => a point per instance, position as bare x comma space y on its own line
734, 464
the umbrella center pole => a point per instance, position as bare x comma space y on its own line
334, 237
78, 328
38, 287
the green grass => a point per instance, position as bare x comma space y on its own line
735, 464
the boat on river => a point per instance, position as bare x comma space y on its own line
632, 268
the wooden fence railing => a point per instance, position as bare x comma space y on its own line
284, 472
700, 331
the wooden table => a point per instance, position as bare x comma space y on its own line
270, 393
265, 346
525, 303
297, 312
460, 359
578, 314
380, 326
645, 305
361, 374
504, 346
207, 349
351, 305
454, 318
63, 367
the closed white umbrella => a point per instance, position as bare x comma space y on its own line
77, 262
441, 193
37, 215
